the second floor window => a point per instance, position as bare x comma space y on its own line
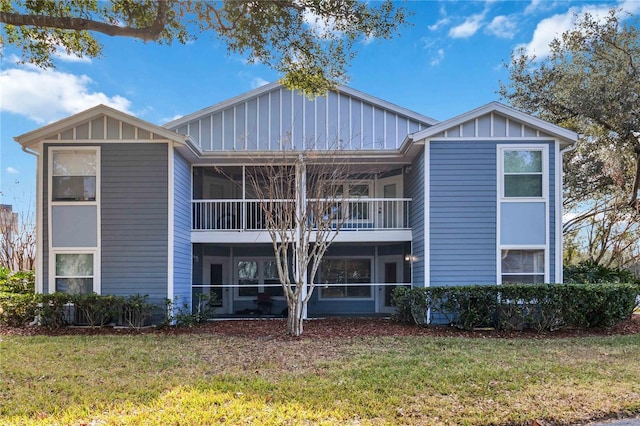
523, 173
74, 175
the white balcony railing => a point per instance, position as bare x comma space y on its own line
246, 215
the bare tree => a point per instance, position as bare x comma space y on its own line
303, 207
17, 241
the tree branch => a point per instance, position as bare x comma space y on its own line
149, 33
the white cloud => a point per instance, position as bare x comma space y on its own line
47, 95
502, 26
469, 27
539, 5
62, 54
440, 23
554, 26
439, 56
12, 170
258, 82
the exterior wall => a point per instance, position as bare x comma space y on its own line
282, 118
135, 219
182, 252
415, 190
45, 221
463, 213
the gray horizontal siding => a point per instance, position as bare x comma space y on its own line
282, 118
462, 213
134, 209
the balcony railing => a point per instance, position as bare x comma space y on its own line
353, 214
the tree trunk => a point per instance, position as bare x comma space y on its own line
294, 320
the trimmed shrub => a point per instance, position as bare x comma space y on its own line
19, 283
52, 310
95, 310
540, 307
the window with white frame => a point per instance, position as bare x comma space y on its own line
523, 266
523, 173
74, 273
345, 278
73, 175
258, 276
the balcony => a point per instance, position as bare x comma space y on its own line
370, 214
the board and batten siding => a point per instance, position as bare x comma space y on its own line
283, 119
135, 219
462, 213
415, 190
182, 253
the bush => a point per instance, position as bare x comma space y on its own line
515, 307
17, 310
18, 283
95, 310
589, 272
136, 311
52, 310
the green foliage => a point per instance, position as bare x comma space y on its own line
310, 42
52, 310
591, 272
136, 311
17, 310
95, 310
20, 282
542, 307
182, 315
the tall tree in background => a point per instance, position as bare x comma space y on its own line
310, 42
590, 83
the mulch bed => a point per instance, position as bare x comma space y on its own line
327, 328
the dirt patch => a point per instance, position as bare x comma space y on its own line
327, 328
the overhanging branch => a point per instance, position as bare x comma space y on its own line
149, 33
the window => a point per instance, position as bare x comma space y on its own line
74, 273
353, 210
523, 266
73, 175
523, 173
337, 274
258, 276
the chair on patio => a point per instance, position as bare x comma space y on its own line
264, 302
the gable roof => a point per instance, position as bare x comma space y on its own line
276, 85
56, 130
496, 120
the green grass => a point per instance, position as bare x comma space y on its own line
205, 379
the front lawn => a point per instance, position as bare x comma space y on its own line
196, 379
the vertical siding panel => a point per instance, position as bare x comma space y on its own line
262, 138
216, 143
553, 228
45, 219
321, 123
367, 126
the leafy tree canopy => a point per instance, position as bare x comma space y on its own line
309, 41
590, 83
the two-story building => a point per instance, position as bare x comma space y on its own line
129, 207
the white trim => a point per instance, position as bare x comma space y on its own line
39, 285
51, 250
170, 221
501, 199
97, 285
558, 211
427, 217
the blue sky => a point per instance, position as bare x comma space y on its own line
449, 61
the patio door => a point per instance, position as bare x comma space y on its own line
216, 275
389, 212
390, 274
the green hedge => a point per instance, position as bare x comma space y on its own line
60, 309
541, 307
